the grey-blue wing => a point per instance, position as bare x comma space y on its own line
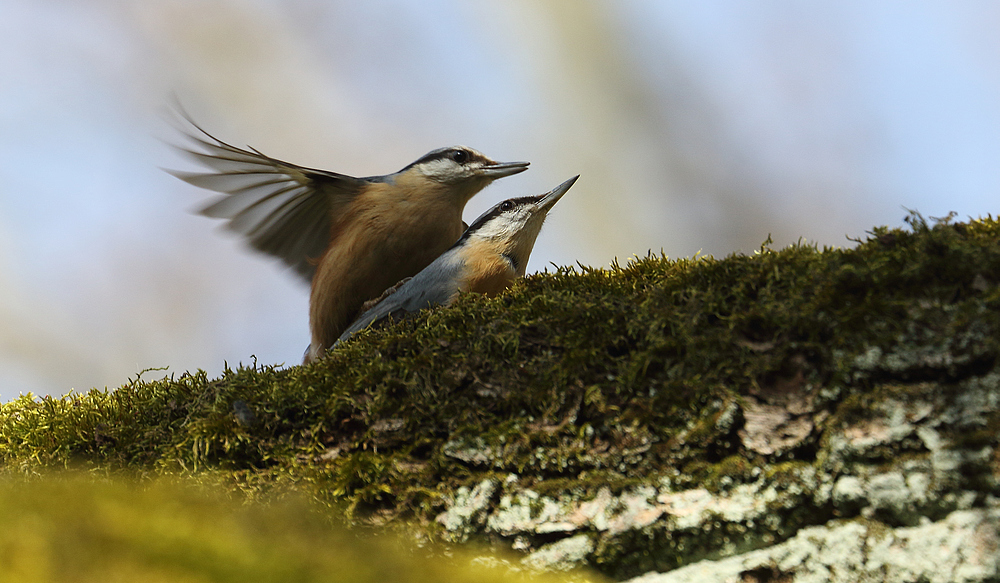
283, 209
436, 284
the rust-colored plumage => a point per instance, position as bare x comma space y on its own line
351, 238
489, 256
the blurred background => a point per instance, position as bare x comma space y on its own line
697, 126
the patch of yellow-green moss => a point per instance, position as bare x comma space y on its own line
73, 528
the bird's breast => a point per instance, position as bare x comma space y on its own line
393, 232
485, 270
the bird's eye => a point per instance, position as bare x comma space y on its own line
506, 206
460, 156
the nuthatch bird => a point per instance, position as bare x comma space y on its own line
492, 252
352, 238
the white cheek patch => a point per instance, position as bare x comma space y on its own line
441, 169
490, 230
504, 226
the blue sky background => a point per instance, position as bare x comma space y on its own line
696, 126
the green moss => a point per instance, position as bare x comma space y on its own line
574, 379
74, 529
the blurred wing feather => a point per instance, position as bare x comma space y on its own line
281, 208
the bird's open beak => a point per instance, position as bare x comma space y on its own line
552, 197
501, 169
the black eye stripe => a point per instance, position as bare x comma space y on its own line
457, 155
505, 206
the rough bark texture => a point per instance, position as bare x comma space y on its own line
902, 488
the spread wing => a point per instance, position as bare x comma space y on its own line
282, 209
437, 284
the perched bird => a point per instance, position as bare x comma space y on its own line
351, 238
492, 252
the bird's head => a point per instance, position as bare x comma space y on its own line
511, 227
463, 168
